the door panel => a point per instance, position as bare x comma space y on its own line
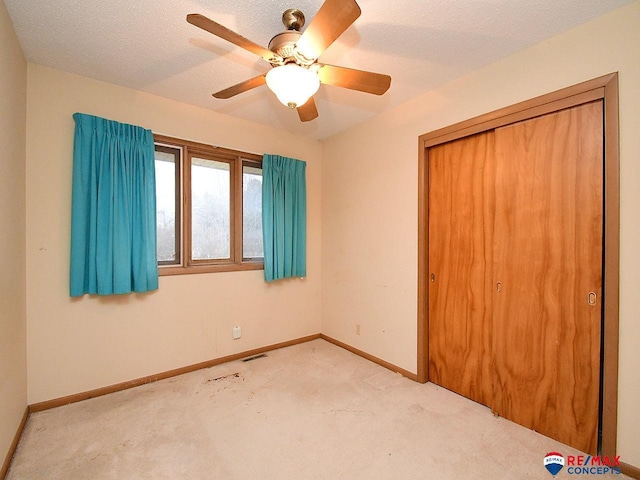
460, 260
548, 258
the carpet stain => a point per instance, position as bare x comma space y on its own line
225, 377
336, 411
217, 385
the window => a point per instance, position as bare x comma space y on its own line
251, 211
209, 208
168, 204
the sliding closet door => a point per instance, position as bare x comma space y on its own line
460, 250
548, 274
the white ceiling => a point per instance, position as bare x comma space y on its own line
149, 46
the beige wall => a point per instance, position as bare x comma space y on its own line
369, 192
13, 343
76, 345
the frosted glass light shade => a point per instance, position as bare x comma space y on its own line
292, 84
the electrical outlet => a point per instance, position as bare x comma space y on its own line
237, 333
357, 329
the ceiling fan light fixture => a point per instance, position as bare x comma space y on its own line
293, 84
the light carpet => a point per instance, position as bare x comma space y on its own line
311, 411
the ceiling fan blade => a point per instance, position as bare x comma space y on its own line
333, 18
241, 87
308, 111
360, 80
229, 35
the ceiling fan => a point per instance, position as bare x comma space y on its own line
296, 74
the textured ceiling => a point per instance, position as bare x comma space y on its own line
148, 45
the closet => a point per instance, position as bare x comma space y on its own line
515, 270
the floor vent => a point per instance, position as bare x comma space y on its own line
254, 357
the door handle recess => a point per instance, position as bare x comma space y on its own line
593, 298
499, 287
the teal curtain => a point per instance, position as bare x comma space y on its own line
284, 217
113, 208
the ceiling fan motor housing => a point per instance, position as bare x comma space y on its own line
284, 44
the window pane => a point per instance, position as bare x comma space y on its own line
210, 210
252, 212
167, 161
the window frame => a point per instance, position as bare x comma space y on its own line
177, 153
256, 164
236, 160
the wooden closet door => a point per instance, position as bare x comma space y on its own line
547, 270
460, 250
